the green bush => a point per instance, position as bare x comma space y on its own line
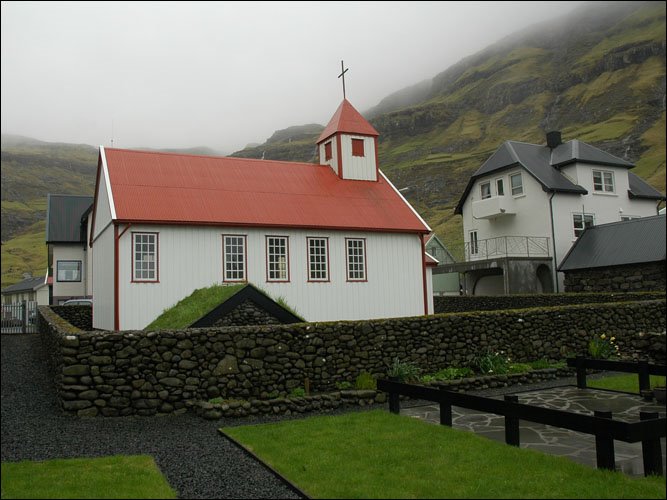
602, 347
298, 392
403, 371
342, 386
489, 362
365, 381
519, 368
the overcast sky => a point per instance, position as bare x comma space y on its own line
173, 75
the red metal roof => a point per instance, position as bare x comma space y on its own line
348, 120
188, 189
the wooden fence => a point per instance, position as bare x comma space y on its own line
648, 430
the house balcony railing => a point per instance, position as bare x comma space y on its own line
502, 246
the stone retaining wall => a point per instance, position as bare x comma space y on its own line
454, 303
617, 278
144, 373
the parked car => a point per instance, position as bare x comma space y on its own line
78, 302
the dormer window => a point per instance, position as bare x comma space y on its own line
603, 181
486, 190
327, 151
358, 147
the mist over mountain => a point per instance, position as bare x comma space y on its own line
597, 74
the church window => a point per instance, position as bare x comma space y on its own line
358, 147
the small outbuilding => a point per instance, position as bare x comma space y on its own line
621, 256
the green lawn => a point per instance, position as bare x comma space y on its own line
377, 454
108, 477
626, 383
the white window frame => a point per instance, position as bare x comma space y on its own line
318, 258
145, 257
234, 258
513, 188
474, 243
485, 193
581, 226
277, 259
355, 249
605, 184
65, 275
500, 183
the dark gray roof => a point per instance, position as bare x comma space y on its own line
543, 163
634, 241
26, 285
581, 152
63, 217
640, 189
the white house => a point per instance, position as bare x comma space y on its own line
527, 204
335, 240
69, 261
29, 290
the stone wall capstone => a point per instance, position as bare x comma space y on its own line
457, 303
147, 373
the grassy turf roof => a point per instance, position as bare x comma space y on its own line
193, 307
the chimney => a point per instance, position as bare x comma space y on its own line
553, 139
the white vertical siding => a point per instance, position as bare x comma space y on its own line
103, 280
102, 209
429, 289
191, 258
362, 168
333, 162
89, 259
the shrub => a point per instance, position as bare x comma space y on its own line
343, 385
452, 373
602, 347
519, 368
365, 381
298, 392
403, 371
492, 362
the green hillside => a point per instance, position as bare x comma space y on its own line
597, 74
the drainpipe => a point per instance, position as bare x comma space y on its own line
553, 239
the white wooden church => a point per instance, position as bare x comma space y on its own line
335, 240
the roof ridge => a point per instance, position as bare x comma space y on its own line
513, 153
214, 157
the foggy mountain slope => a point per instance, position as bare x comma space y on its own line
598, 75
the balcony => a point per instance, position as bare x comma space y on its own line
501, 247
490, 208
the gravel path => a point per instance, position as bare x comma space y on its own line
196, 460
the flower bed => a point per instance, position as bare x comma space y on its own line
355, 398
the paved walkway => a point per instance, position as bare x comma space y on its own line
553, 440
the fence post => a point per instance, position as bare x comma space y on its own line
644, 378
651, 449
24, 316
445, 410
581, 372
394, 401
604, 445
511, 423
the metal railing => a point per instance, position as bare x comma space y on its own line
19, 317
502, 246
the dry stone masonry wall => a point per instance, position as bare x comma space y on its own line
147, 373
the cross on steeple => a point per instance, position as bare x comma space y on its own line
342, 74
